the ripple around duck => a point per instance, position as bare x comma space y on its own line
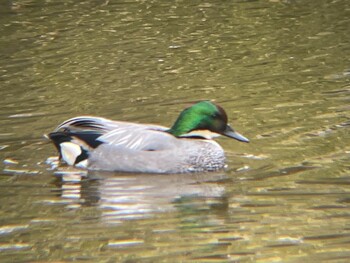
4, 230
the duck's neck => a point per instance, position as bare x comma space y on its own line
183, 125
178, 131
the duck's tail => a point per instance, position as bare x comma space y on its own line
74, 147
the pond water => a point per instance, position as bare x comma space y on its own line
280, 68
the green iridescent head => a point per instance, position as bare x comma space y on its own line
204, 119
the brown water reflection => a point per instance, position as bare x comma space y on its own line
279, 68
256, 215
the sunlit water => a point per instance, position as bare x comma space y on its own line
281, 70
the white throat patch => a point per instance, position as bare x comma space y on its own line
206, 134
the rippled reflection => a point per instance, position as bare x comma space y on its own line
128, 196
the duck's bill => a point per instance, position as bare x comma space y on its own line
229, 132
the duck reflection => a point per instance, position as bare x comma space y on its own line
134, 196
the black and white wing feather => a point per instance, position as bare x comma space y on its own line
76, 137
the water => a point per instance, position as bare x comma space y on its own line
280, 69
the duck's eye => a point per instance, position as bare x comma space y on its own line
215, 115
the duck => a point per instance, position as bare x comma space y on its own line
188, 146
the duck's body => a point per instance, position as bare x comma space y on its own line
101, 144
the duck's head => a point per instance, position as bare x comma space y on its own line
206, 120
